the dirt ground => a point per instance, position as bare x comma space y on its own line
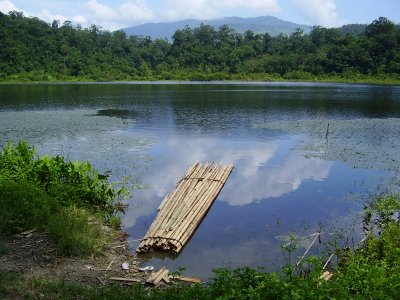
34, 255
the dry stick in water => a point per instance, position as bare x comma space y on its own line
188, 174
183, 205
308, 249
195, 199
327, 131
167, 205
327, 262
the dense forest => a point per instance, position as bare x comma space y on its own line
31, 49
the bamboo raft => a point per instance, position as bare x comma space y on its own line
181, 212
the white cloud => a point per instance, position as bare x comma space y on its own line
206, 9
46, 15
135, 11
320, 12
127, 14
101, 11
7, 6
269, 5
79, 19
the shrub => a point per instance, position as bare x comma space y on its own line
68, 183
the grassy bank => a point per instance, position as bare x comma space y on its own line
185, 75
58, 197
71, 202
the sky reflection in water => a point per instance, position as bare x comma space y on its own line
155, 132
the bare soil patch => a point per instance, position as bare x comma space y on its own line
34, 255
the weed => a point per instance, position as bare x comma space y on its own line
23, 206
7, 284
74, 235
3, 250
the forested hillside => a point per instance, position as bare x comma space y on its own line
31, 49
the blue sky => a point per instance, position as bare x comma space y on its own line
115, 14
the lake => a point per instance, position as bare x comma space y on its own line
306, 155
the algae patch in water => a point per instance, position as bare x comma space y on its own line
78, 135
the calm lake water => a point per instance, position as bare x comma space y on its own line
293, 173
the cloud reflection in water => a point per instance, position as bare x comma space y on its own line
263, 169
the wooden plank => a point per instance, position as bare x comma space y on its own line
124, 279
181, 211
188, 279
156, 277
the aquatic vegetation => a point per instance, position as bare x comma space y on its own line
367, 143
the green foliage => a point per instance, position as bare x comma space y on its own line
3, 249
33, 50
15, 161
68, 183
298, 75
76, 233
7, 281
23, 206
374, 270
64, 290
68, 199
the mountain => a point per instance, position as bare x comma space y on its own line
272, 25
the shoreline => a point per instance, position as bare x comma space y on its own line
332, 80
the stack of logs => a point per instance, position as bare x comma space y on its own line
181, 212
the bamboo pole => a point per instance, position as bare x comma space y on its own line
164, 217
195, 196
198, 215
181, 212
192, 197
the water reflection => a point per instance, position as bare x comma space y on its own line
154, 132
262, 169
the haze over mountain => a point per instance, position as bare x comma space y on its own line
274, 26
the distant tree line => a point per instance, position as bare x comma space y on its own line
31, 49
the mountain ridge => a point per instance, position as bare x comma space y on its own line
262, 24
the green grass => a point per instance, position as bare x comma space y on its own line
23, 206
3, 250
76, 232
8, 285
64, 290
194, 75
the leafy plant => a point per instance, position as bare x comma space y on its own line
68, 183
49, 193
